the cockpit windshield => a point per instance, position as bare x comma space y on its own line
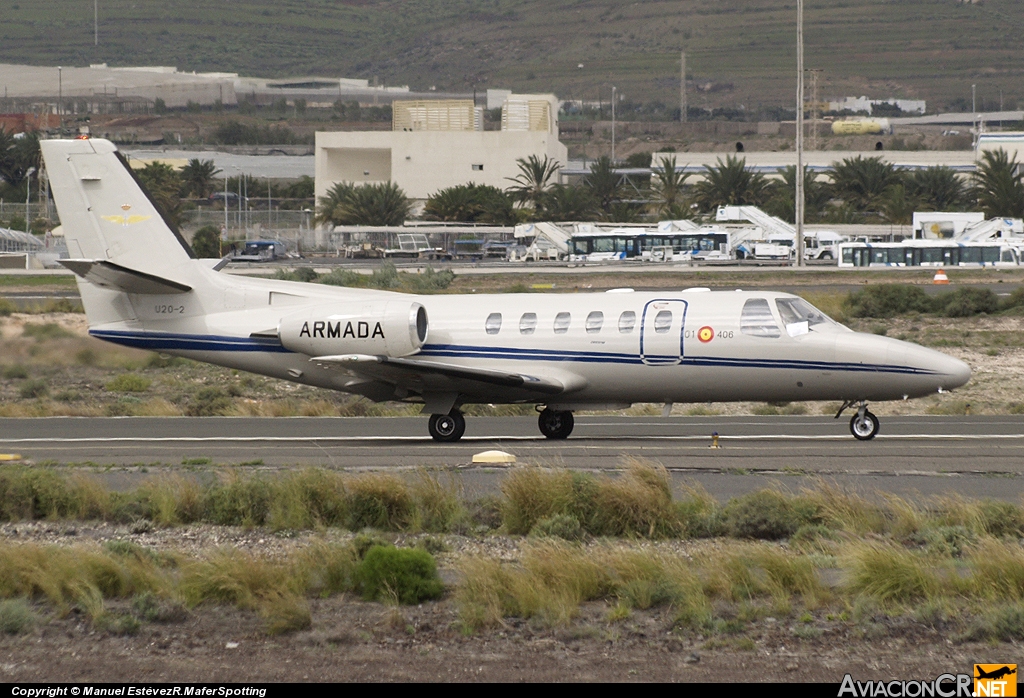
800, 316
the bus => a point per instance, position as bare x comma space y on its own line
623, 244
929, 253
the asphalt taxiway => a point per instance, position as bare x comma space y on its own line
972, 456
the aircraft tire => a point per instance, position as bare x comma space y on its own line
447, 427
864, 429
555, 424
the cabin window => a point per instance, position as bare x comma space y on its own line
627, 321
493, 323
562, 321
594, 322
757, 320
663, 321
527, 323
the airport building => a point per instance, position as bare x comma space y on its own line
439, 144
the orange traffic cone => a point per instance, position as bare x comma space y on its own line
940, 277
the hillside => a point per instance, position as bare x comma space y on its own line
741, 52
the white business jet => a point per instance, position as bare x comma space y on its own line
142, 287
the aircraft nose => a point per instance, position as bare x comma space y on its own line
959, 372
950, 373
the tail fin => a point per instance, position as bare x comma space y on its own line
105, 213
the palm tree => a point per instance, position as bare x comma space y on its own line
604, 182
998, 186
197, 177
17, 156
731, 183
567, 203
470, 203
163, 184
327, 205
782, 203
938, 189
667, 188
382, 203
533, 179
896, 206
861, 182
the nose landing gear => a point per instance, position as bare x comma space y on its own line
447, 427
863, 425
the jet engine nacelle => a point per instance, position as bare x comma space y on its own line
389, 328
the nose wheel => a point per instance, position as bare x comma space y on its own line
863, 425
447, 427
555, 424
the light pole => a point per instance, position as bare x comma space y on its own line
799, 203
95, 22
224, 235
613, 125
60, 97
28, 192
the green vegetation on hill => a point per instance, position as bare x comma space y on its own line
739, 52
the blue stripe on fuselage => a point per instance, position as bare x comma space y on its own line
170, 341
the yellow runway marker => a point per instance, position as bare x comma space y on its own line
10, 456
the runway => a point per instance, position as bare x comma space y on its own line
974, 456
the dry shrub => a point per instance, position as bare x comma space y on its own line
998, 571
439, 504
79, 575
698, 513
893, 574
172, 499
308, 499
748, 571
637, 503
767, 514
983, 517
379, 501
844, 510
906, 518
271, 588
530, 494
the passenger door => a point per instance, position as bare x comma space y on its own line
661, 332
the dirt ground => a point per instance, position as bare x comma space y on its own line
353, 640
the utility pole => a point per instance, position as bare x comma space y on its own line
95, 22
682, 89
613, 125
60, 97
799, 203
815, 107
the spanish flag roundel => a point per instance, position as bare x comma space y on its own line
705, 334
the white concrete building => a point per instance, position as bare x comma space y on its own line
864, 104
429, 154
1010, 141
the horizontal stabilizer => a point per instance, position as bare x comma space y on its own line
113, 276
362, 362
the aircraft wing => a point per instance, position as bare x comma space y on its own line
429, 376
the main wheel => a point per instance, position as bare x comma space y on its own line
555, 424
864, 428
447, 427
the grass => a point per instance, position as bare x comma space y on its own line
542, 502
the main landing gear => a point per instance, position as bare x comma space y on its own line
447, 427
555, 424
863, 425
